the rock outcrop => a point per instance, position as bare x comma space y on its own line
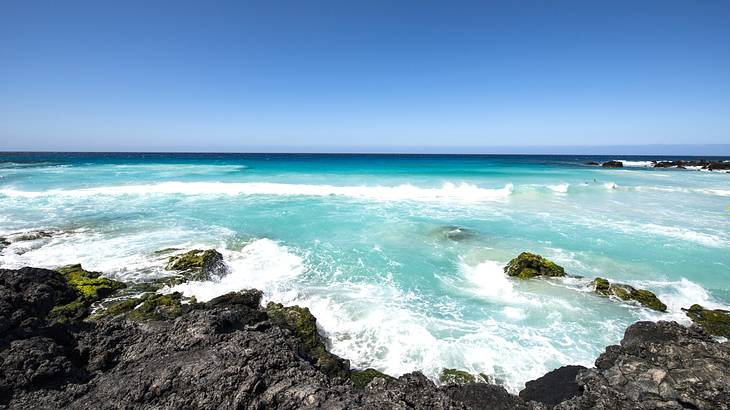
658, 365
198, 264
554, 387
701, 163
628, 293
613, 164
162, 351
528, 265
715, 322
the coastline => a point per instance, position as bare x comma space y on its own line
75, 339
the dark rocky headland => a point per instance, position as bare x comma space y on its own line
702, 164
74, 339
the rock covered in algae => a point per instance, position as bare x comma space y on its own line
361, 378
301, 321
528, 265
455, 376
90, 287
626, 292
198, 264
715, 322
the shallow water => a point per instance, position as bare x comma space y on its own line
369, 243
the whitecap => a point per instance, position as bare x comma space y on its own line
448, 191
262, 264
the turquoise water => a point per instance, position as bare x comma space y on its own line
363, 242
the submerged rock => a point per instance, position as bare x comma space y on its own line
716, 322
528, 265
613, 164
301, 321
455, 233
591, 163
198, 264
628, 293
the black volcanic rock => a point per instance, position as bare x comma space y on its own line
231, 353
554, 387
658, 365
613, 164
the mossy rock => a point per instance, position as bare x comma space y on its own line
528, 265
304, 325
118, 308
628, 293
160, 307
715, 322
90, 287
75, 310
197, 264
454, 376
361, 378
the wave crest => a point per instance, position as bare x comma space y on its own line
449, 191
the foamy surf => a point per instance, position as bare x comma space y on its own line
262, 264
448, 191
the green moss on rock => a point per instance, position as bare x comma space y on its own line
197, 264
117, 308
454, 376
361, 378
628, 293
716, 322
159, 307
90, 287
301, 321
528, 265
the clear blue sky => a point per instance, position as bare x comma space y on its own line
180, 75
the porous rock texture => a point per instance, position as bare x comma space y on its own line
228, 353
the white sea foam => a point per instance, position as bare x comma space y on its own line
561, 188
449, 191
610, 186
262, 264
685, 234
490, 282
636, 164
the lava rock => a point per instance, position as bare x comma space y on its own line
658, 365
198, 264
613, 164
716, 322
528, 265
628, 293
554, 387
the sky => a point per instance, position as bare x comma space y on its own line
362, 75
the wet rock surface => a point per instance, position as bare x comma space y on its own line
716, 322
625, 292
613, 164
197, 264
232, 353
528, 265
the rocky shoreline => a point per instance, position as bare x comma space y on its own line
700, 164
70, 338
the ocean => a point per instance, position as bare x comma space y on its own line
400, 257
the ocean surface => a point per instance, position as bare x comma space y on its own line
399, 257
